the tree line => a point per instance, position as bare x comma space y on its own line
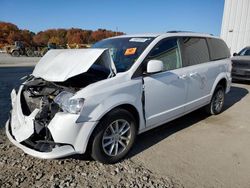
9, 33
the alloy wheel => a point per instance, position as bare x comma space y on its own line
116, 137
218, 101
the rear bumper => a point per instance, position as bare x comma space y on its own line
240, 74
237, 77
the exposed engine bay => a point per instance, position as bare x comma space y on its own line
43, 95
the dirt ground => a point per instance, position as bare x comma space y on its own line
193, 151
201, 150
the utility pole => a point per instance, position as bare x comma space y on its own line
116, 31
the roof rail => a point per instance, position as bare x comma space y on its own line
185, 32
180, 31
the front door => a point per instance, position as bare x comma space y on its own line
165, 92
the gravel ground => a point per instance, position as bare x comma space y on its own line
21, 170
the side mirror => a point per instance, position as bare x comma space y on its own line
154, 66
235, 54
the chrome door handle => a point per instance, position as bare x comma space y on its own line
192, 74
184, 76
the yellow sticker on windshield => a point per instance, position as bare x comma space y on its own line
130, 51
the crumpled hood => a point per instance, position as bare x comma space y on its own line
61, 64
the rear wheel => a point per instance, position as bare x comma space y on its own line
114, 136
217, 102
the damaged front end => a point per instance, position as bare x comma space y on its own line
38, 95
44, 113
29, 126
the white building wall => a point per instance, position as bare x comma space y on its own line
235, 28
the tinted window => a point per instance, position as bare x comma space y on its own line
242, 52
195, 51
247, 52
168, 52
218, 49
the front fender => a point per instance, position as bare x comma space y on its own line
104, 100
112, 102
12, 50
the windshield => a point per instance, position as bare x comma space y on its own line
124, 51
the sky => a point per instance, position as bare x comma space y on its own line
129, 16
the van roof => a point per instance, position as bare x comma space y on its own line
169, 34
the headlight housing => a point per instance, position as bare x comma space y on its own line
67, 104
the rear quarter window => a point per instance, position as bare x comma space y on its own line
218, 49
195, 51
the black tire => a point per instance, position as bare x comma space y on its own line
217, 102
98, 150
15, 53
30, 53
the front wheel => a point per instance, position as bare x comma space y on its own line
114, 136
15, 53
217, 101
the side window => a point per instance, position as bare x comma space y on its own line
247, 52
195, 51
218, 49
168, 52
242, 52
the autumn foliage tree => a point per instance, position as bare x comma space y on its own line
9, 33
5, 30
74, 36
57, 36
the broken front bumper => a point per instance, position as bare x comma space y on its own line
68, 136
59, 152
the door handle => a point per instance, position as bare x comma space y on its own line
193, 74
183, 77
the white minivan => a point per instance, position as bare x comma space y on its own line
99, 99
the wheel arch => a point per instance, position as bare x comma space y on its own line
14, 50
210, 107
126, 106
220, 80
223, 83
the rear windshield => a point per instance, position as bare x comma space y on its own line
124, 51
